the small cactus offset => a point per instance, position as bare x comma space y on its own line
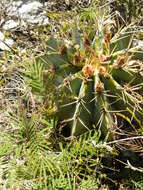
99, 82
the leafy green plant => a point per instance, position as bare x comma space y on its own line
34, 72
80, 162
39, 85
26, 153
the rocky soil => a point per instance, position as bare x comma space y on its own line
19, 14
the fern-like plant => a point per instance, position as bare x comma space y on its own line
26, 153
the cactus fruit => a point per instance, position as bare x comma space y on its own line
97, 82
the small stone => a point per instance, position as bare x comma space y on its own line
10, 24
24, 12
5, 44
140, 43
30, 8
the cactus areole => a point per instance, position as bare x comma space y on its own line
98, 84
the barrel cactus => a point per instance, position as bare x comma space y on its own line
99, 82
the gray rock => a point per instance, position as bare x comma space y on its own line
33, 13
5, 43
21, 13
10, 24
140, 43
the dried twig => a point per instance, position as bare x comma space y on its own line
125, 139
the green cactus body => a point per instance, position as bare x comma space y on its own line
91, 84
124, 100
127, 75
